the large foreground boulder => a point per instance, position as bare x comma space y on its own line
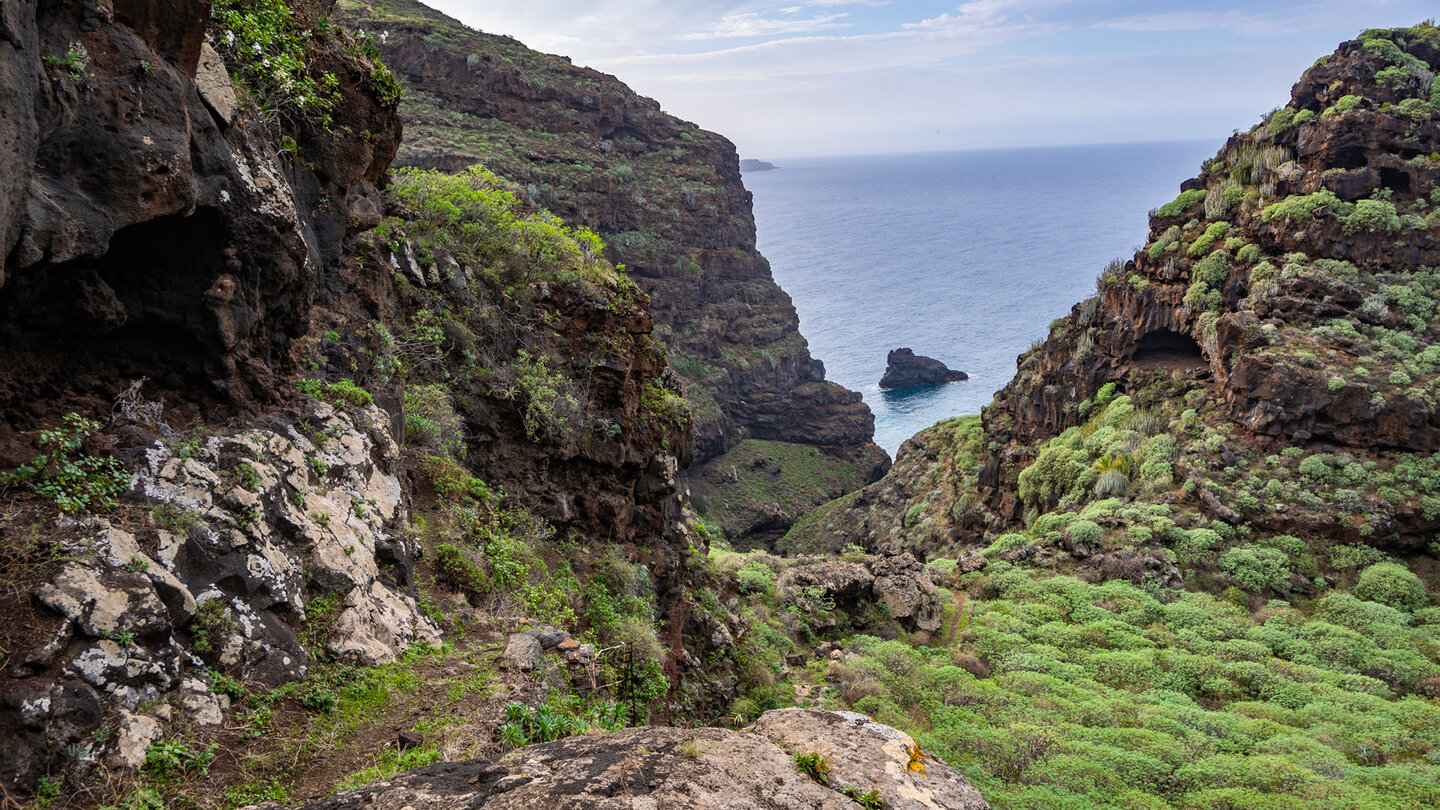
866, 755
684, 769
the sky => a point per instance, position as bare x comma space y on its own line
833, 77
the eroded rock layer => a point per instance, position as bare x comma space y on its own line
144, 226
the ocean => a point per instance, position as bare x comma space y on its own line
962, 256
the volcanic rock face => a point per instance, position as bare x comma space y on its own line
694, 769
905, 369
141, 227
1285, 296
668, 199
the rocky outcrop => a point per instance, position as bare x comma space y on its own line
698, 769
144, 226
905, 369
250, 537
867, 755
897, 585
667, 198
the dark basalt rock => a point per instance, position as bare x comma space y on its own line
906, 369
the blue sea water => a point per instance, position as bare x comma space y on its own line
962, 256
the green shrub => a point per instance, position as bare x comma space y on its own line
553, 406
1181, 204
480, 220
431, 420
1392, 584
1373, 216
66, 474
1008, 542
1280, 120
457, 569
1203, 245
72, 63
343, 394
814, 765
1302, 207
1085, 533
266, 47
1054, 473
1257, 569
870, 799
211, 621
756, 577
1345, 104
669, 407
167, 759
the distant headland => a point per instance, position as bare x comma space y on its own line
752, 165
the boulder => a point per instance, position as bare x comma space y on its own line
681, 769
522, 653
133, 735
101, 605
899, 582
213, 83
906, 369
904, 587
844, 582
868, 756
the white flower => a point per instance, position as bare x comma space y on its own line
229, 37
384, 35
256, 46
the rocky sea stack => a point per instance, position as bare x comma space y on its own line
906, 369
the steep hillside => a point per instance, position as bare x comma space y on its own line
1197, 530
667, 198
281, 453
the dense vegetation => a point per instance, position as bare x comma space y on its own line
1054, 692
1158, 598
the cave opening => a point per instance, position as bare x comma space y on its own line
1349, 157
1168, 349
1395, 179
74, 335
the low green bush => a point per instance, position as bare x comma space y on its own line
1392, 584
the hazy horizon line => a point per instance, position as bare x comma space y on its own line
1031, 147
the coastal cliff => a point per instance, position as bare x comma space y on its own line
668, 199
1209, 491
1282, 296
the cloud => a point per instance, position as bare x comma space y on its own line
811, 76
755, 25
